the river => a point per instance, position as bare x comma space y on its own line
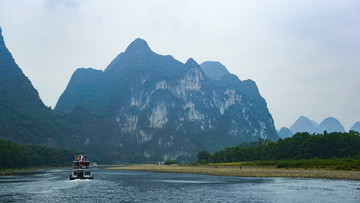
131, 186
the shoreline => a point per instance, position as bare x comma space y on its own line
19, 171
243, 171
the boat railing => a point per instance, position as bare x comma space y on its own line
80, 167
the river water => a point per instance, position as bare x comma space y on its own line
132, 186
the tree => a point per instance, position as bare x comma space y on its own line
203, 157
300, 146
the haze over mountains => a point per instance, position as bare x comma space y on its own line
23, 116
356, 126
21, 109
164, 108
143, 107
214, 70
304, 124
330, 124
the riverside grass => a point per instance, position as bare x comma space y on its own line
245, 171
15, 171
334, 164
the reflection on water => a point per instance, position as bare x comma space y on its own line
116, 186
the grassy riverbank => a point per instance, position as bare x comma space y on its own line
244, 171
14, 171
329, 164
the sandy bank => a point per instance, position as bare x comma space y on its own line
244, 171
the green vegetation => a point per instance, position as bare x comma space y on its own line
335, 163
169, 162
13, 155
303, 150
107, 114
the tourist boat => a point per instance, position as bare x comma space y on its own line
81, 168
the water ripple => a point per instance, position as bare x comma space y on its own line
130, 186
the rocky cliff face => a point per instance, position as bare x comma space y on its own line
162, 109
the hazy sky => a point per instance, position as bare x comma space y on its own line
304, 55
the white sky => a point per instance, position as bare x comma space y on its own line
304, 55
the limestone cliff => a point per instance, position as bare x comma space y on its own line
160, 108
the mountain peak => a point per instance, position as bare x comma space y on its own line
331, 124
138, 46
356, 126
285, 132
303, 124
191, 62
214, 69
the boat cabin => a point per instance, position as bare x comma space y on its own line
81, 168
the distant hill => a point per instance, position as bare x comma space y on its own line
315, 123
303, 124
331, 124
214, 70
356, 126
285, 132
